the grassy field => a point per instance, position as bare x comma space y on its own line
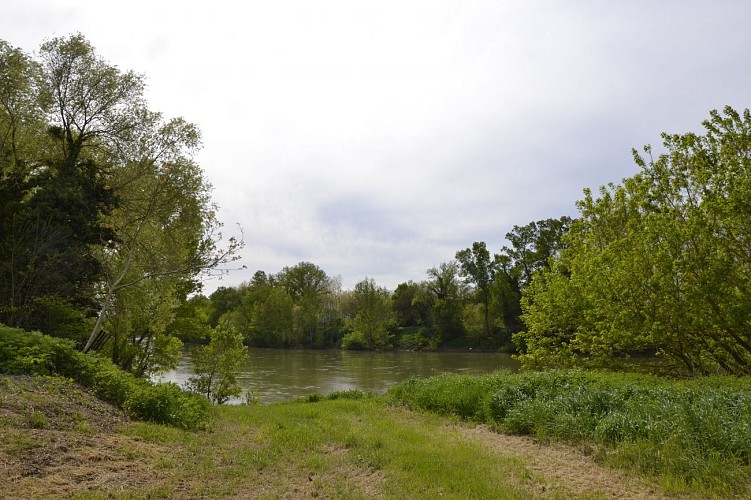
57, 440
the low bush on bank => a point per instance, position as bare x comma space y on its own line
32, 353
691, 434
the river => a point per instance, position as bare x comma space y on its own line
274, 375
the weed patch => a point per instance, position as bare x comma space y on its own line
692, 435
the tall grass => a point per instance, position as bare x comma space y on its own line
692, 435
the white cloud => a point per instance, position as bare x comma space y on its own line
379, 138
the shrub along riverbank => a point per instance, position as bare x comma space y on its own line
690, 435
32, 353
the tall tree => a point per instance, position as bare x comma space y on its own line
374, 317
659, 262
443, 296
307, 284
532, 247
94, 104
407, 310
478, 268
107, 214
56, 192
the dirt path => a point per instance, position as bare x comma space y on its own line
566, 470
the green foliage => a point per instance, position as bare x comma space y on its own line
479, 269
349, 394
443, 297
416, 339
314, 397
168, 404
33, 353
191, 322
532, 248
659, 263
449, 394
38, 420
696, 433
103, 212
407, 310
216, 364
373, 319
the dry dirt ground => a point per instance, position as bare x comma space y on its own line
57, 441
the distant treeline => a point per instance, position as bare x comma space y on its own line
472, 301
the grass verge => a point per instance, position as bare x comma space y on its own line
693, 436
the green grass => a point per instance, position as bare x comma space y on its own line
690, 435
335, 448
345, 448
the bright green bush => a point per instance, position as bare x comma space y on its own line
168, 404
33, 353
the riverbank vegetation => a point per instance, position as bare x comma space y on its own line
60, 442
622, 437
32, 353
689, 435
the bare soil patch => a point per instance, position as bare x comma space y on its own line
57, 440
565, 469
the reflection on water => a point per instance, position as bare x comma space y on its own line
280, 374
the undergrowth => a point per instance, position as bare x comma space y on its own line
32, 353
693, 435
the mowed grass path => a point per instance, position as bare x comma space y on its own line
67, 446
329, 449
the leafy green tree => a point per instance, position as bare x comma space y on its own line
532, 247
53, 195
22, 113
137, 335
407, 311
443, 296
106, 216
191, 319
308, 285
224, 300
658, 263
479, 268
215, 365
272, 321
374, 317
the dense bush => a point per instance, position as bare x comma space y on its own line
692, 432
33, 353
167, 403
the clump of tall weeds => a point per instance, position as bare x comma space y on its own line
692, 435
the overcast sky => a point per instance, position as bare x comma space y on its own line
379, 138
